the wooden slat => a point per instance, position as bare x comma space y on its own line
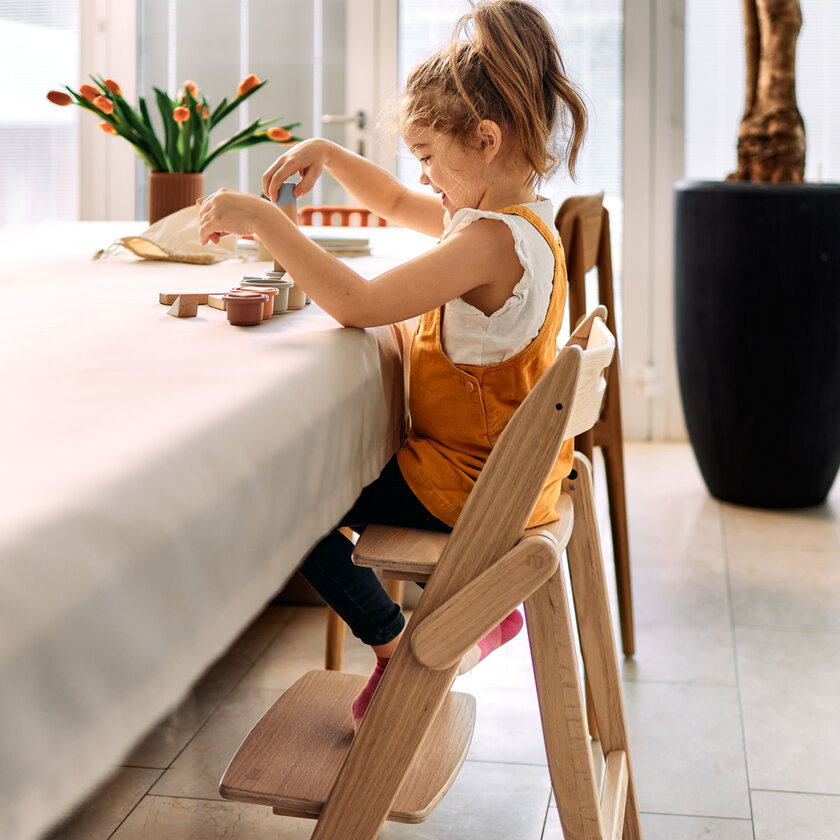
443, 638
592, 609
291, 758
562, 712
614, 794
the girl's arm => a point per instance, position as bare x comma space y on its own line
461, 263
370, 185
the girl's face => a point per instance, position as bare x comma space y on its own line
455, 172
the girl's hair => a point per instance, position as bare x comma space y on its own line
509, 71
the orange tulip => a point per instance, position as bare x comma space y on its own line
205, 113
181, 114
104, 104
59, 98
281, 135
248, 83
192, 87
113, 87
89, 92
107, 128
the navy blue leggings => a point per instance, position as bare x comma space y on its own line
354, 592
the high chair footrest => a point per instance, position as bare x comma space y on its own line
291, 758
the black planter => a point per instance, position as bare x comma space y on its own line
757, 317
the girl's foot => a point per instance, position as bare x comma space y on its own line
362, 701
497, 637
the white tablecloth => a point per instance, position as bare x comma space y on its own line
161, 480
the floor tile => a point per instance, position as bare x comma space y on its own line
507, 726
780, 587
790, 684
487, 801
160, 747
167, 818
300, 648
97, 818
687, 750
682, 624
801, 529
199, 768
668, 827
795, 816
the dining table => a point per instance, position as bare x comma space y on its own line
162, 479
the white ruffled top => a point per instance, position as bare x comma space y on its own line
472, 338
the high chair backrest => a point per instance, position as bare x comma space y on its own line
563, 402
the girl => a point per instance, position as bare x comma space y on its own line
480, 116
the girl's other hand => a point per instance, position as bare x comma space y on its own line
227, 212
307, 159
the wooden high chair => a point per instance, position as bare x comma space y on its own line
584, 227
327, 212
302, 758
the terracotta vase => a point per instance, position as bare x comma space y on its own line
172, 191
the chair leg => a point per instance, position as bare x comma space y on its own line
561, 708
335, 641
614, 466
589, 590
394, 588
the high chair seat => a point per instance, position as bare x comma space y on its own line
412, 554
291, 758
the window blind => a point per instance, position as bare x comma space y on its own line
39, 141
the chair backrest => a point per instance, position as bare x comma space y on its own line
327, 212
579, 217
565, 401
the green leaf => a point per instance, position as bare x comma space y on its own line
221, 113
170, 129
229, 143
160, 154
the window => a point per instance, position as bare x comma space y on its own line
715, 87
297, 45
39, 164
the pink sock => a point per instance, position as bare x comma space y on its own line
498, 636
362, 701
501, 634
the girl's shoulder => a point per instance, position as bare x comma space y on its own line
519, 225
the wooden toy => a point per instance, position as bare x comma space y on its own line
184, 306
217, 302
168, 298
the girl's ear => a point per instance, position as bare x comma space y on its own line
489, 137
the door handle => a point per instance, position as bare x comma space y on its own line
359, 118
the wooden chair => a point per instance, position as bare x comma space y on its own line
327, 212
584, 226
302, 758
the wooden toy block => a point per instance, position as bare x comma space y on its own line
184, 306
168, 298
217, 302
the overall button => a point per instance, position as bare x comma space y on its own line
470, 386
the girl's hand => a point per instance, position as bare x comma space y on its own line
307, 159
227, 212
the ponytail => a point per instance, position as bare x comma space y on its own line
510, 71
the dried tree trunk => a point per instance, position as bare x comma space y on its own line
771, 142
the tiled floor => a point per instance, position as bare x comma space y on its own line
732, 697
